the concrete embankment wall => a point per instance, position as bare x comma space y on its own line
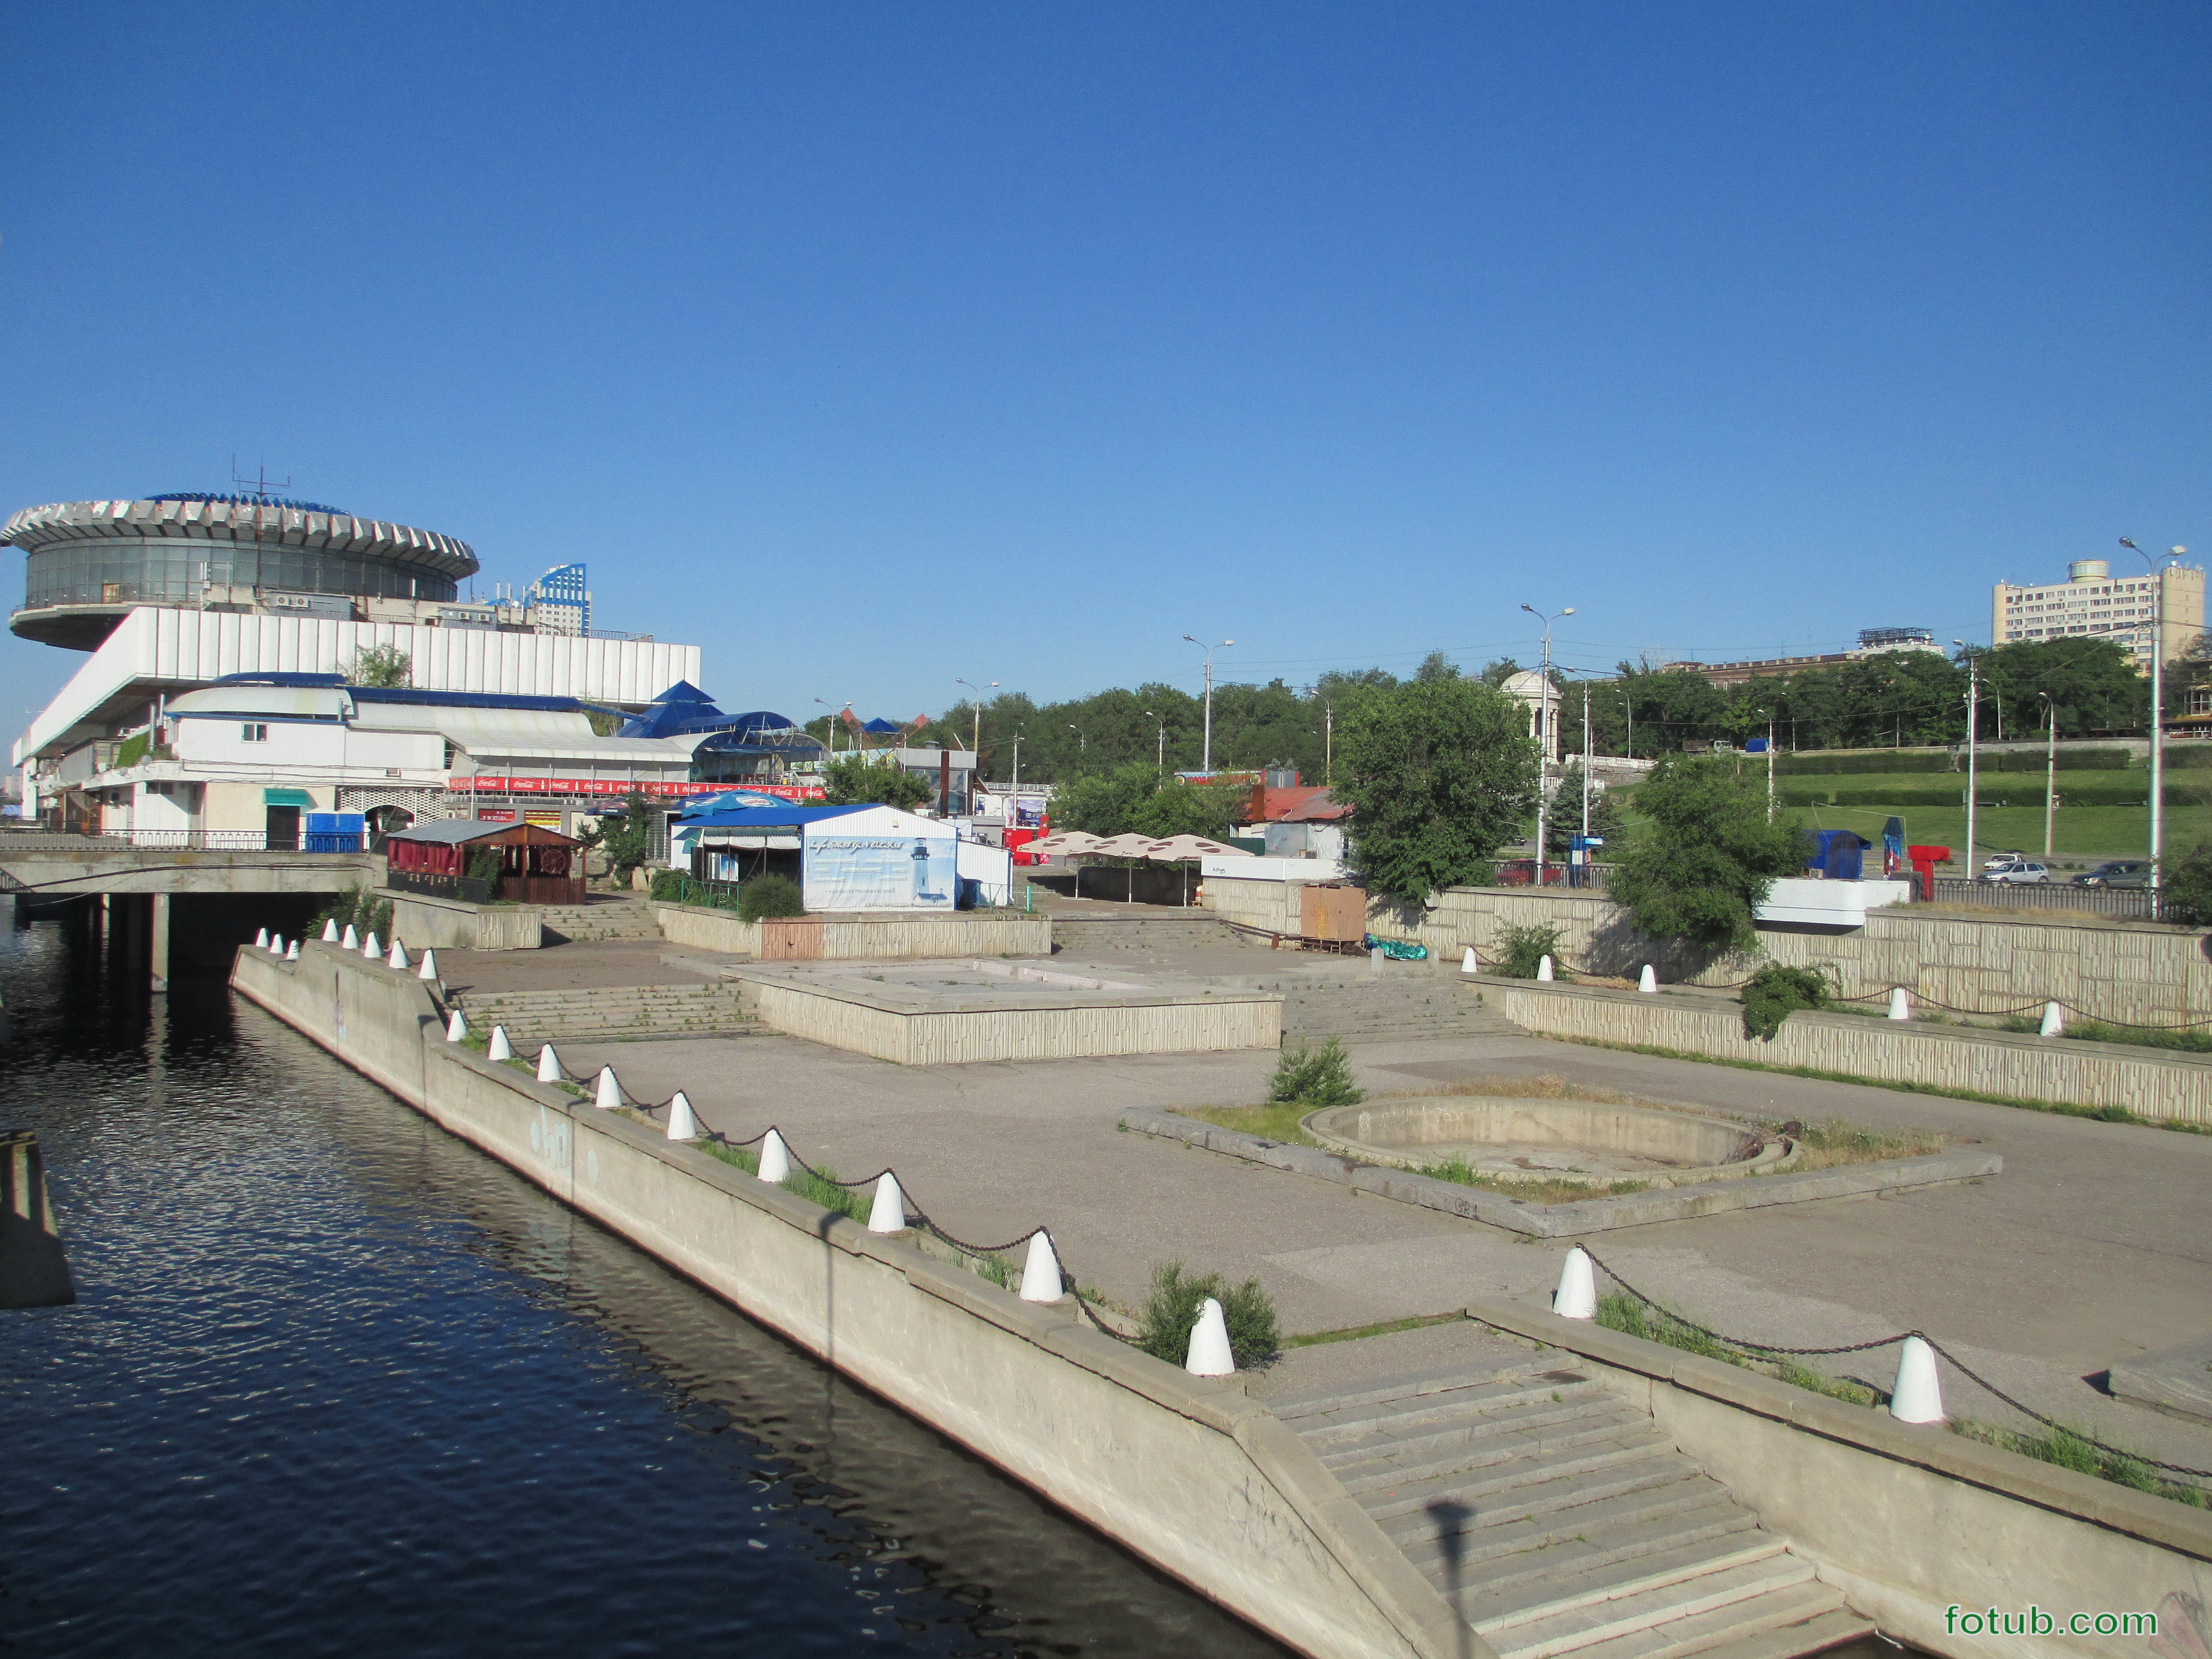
421, 919
2016, 1066
967, 934
1908, 1520
1205, 1483
2108, 968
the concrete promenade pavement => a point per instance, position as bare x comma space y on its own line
2089, 1249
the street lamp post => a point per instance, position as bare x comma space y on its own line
1205, 761
2157, 711
1769, 713
976, 741
1082, 743
2049, 770
833, 723
1159, 761
1544, 736
1974, 727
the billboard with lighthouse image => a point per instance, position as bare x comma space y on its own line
880, 859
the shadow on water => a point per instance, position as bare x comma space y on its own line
337, 1383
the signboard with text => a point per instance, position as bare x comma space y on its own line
616, 788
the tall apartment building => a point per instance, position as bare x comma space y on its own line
2092, 603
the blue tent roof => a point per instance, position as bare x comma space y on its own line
769, 817
730, 800
882, 727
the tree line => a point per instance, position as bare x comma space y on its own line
1893, 699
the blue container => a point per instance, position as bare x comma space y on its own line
1754, 745
332, 832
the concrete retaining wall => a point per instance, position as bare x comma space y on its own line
1203, 1482
420, 920
967, 933
2109, 969
1909, 1520
1039, 1029
1937, 1057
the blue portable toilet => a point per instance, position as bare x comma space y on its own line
1839, 854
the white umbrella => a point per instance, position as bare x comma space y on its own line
1064, 843
1131, 846
1182, 850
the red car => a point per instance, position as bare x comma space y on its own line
1521, 872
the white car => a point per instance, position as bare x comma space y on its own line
2017, 870
1996, 859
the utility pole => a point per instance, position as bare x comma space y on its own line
1769, 713
1206, 763
1328, 745
1544, 730
2050, 771
1586, 752
1974, 725
975, 741
2157, 714
833, 723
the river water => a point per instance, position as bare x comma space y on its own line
337, 1383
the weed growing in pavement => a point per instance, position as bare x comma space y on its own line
1172, 1311
1619, 1311
2068, 1449
1310, 1077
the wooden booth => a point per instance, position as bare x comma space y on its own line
480, 862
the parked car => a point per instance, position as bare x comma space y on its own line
2117, 872
1995, 858
2017, 870
1521, 872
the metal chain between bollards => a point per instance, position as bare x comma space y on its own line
1964, 1370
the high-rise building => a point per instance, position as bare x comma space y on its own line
2094, 604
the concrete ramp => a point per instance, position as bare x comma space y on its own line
1558, 1520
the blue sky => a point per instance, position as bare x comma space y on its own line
872, 346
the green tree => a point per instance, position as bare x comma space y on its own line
1105, 803
1566, 819
2188, 896
1435, 666
2093, 682
626, 837
383, 666
1706, 853
1176, 808
1438, 775
861, 780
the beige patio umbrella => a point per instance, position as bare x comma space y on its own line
1064, 844
1124, 846
1186, 849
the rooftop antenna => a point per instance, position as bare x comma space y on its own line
258, 486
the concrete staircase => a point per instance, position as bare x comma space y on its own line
613, 1014
1559, 1520
1145, 929
600, 919
1408, 1002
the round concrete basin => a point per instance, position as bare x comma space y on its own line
1571, 1140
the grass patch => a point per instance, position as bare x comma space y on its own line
1535, 1190
1545, 1085
744, 1156
2056, 1107
1825, 1145
2068, 1449
1619, 1311
1276, 1120
1316, 1339
2193, 1042
845, 1200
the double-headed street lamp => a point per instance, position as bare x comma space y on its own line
1544, 735
1160, 764
1206, 762
833, 723
2157, 709
975, 741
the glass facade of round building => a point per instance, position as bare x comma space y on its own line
177, 570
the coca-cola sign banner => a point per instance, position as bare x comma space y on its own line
616, 788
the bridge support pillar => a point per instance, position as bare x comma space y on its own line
157, 951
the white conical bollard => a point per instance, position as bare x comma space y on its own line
275, 944
429, 967
292, 951
371, 949
1917, 1397
498, 1049
330, 931
888, 1213
1900, 1005
1577, 1297
351, 941
456, 1028
1647, 981
1467, 961
1544, 970
1210, 1354
2054, 1020
610, 1091
1041, 1273
682, 1124
398, 958
549, 1064
261, 939
775, 1159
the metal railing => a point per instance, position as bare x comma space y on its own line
2130, 903
696, 890
196, 841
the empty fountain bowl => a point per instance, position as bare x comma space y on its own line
1576, 1141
